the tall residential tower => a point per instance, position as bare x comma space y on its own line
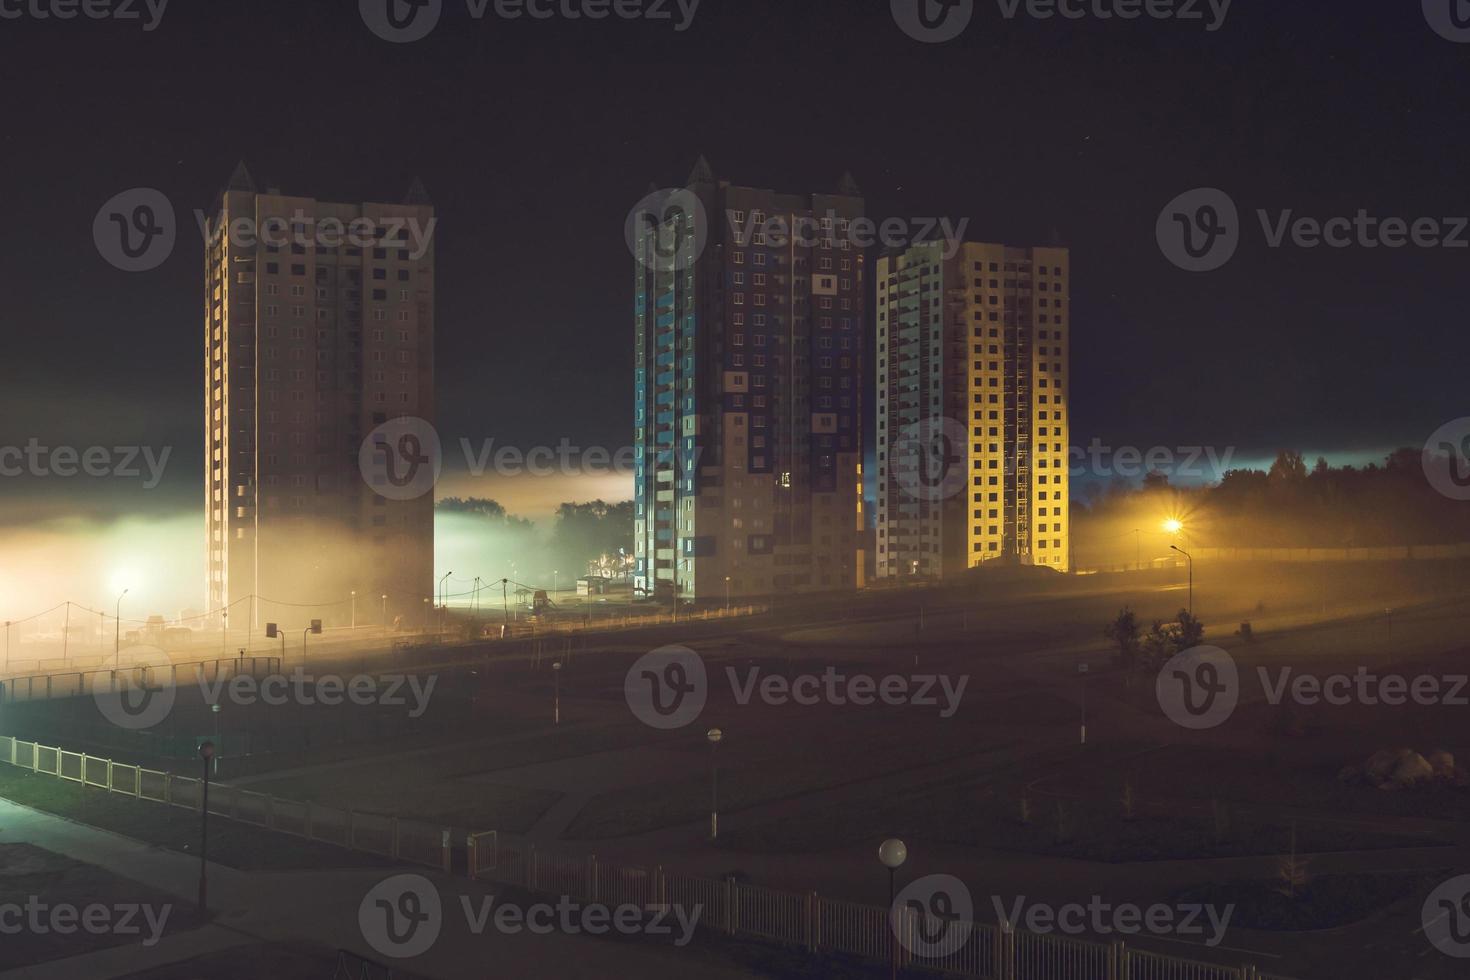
972, 408
748, 341
319, 327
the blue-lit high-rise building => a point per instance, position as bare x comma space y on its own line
748, 311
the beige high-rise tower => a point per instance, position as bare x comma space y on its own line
319, 327
972, 404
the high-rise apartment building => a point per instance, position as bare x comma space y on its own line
972, 408
319, 327
748, 308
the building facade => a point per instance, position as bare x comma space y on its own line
748, 340
972, 408
319, 327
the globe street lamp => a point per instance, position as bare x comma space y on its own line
714, 735
892, 853
206, 753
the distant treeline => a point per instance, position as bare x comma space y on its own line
579, 533
1290, 505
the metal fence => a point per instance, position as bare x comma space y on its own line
391, 837
820, 925
802, 920
77, 683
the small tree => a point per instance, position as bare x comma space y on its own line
1124, 631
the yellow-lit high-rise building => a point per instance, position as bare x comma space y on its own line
319, 327
972, 408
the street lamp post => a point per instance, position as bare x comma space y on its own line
714, 735
556, 698
1138, 547
117, 632
1190, 559
384, 598
727, 595
892, 853
1082, 672
206, 753
354, 610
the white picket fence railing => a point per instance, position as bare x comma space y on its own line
406, 840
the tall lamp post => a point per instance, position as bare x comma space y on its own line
1190, 559
892, 853
1138, 547
116, 632
556, 698
206, 753
354, 609
384, 598
714, 735
443, 590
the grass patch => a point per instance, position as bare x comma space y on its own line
972, 815
57, 881
279, 961
233, 844
1323, 903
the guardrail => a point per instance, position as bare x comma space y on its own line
392, 837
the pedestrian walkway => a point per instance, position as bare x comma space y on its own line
321, 908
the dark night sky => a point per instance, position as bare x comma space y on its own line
534, 139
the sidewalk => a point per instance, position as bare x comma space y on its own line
322, 908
